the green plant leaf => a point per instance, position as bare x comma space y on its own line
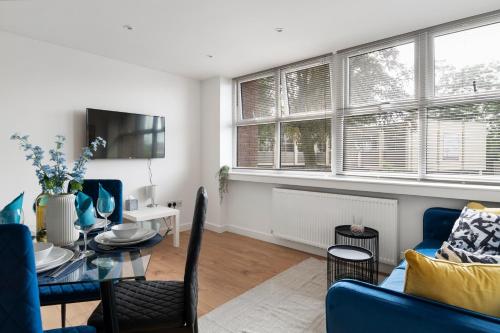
75, 186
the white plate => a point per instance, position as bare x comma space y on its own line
65, 256
54, 255
140, 234
104, 240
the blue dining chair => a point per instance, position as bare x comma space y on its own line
86, 291
19, 302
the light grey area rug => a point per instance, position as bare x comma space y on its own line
292, 302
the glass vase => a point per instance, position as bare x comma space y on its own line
40, 206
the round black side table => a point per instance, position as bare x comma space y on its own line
368, 240
349, 262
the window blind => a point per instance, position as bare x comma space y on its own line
376, 139
258, 98
299, 136
467, 62
381, 142
255, 146
306, 144
382, 75
309, 90
464, 139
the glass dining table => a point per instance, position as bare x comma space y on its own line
107, 266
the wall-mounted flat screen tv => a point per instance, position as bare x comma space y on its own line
128, 135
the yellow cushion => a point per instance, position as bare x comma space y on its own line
471, 286
480, 207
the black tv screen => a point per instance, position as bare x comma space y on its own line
128, 135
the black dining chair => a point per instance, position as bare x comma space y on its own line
161, 306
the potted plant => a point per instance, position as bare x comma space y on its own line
223, 176
54, 177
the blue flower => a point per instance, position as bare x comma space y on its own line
53, 176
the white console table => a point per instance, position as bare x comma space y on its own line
152, 213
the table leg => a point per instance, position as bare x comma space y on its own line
137, 266
176, 230
109, 307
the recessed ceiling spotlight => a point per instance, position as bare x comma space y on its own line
210, 56
128, 27
279, 29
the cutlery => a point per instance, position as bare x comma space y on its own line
76, 257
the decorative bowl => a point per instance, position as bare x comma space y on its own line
42, 251
125, 230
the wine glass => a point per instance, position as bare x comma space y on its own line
105, 207
84, 230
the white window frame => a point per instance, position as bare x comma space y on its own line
339, 73
432, 100
424, 95
280, 116
343, 104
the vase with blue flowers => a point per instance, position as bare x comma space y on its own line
59, 184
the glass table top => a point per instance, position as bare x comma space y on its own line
99, 267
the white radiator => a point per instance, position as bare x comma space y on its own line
311, 217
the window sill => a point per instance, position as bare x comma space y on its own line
381, 185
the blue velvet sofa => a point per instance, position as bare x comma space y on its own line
357, 307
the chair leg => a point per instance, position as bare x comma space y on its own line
63, 315
195, 325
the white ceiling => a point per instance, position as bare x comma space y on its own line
176, 36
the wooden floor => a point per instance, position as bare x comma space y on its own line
229, 265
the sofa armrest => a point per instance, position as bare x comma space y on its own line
357, 307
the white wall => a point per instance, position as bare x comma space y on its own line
210, 145
216, 142
44, 91
249, 211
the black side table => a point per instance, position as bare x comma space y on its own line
349, 262
368, 240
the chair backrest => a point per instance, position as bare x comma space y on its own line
438, 222
191, 271
114, 187
19, 301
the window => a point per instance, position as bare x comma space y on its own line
256, 146
258, 98
379, 137
382, 75
308, 90
467, 62
381, 142
424, 105
464, 139
306, 144
284, 118
463, 116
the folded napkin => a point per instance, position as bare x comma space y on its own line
106, 204
12, 212
84, 210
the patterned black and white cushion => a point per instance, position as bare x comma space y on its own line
450, 253
477, 232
